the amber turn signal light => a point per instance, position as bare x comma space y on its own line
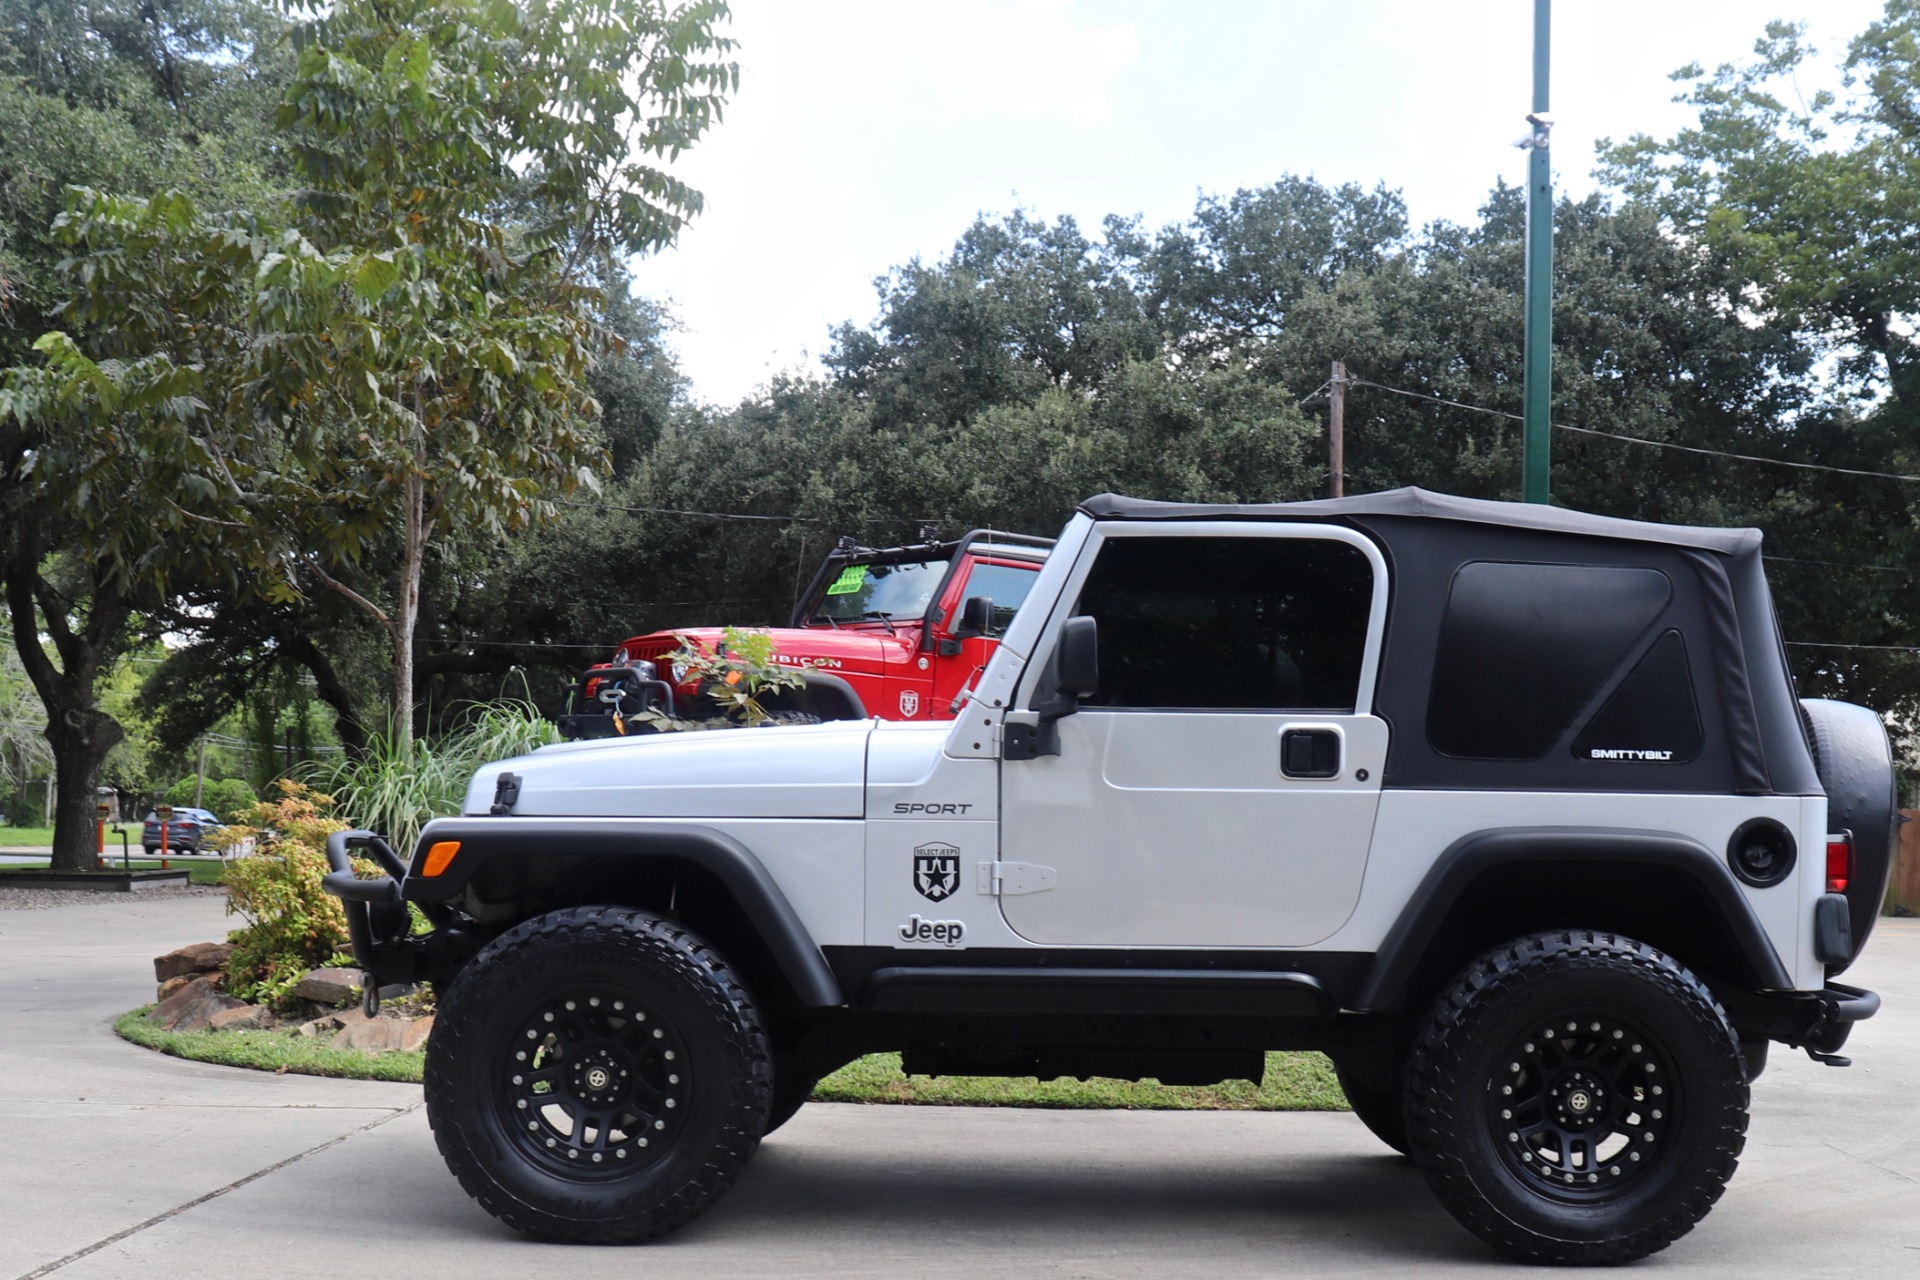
439, 856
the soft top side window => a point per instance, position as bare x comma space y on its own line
1229, 623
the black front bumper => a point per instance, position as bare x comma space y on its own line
379, 924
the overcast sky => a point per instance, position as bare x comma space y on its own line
868, 131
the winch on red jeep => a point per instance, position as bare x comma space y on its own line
892, 633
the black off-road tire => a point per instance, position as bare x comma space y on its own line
1568, 1018
605, 998
1383, 1111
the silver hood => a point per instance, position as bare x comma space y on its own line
787, 771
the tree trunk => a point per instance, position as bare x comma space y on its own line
406, 612
78, 753
80, 733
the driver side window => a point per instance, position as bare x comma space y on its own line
1231, 623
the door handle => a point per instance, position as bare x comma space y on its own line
1310, 753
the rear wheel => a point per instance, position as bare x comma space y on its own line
1577, 1097
597, 1075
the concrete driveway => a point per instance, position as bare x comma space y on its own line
118, 1162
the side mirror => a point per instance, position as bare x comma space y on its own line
1076, 665
976, 617
1076, 673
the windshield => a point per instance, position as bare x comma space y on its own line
893, 591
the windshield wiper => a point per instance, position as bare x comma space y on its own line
885, 619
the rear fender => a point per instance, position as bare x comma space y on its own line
1493, 885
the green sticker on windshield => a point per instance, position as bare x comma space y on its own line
851, 579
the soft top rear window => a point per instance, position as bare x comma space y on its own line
1523, 647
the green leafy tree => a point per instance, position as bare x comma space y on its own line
401, 348
433, 354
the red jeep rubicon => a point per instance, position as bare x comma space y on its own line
897, 633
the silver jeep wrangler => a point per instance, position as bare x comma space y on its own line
1511, 811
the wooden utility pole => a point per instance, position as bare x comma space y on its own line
1337, 428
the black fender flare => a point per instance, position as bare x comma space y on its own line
486, 841
1467, 858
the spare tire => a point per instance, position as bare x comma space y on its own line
1855, 763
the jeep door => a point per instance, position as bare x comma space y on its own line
1219, 788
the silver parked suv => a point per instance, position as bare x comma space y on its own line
1511, 811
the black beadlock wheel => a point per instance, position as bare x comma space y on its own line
1577, 1098
597, 1075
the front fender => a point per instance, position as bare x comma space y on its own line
508, 856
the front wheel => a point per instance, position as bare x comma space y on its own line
1577, 1098
597, 1075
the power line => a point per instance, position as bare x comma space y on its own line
1655, 444
730, 515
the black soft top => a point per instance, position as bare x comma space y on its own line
1719, 611
1425, 505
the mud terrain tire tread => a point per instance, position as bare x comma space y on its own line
663, 951
1445, 1100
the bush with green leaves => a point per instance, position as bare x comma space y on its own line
230, 799
398, 785
735, 675
293, 924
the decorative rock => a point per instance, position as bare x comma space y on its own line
418, 1029
192, 989
192, 1007
329, 986
248, 1017
324, 1025
199, 1015
201, 957
373, 1035
172, 985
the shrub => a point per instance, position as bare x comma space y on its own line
735, 676
293, 924
230, 799
396, 790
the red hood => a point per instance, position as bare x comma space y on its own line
865, 649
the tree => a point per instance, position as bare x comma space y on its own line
413, 330
126, 93
1807, 210
429, 350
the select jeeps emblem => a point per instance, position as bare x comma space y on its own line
909, 703
936, 870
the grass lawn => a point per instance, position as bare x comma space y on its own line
34, 837
271, 1051
197, 872
1295, 1081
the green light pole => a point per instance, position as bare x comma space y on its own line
1537, 444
